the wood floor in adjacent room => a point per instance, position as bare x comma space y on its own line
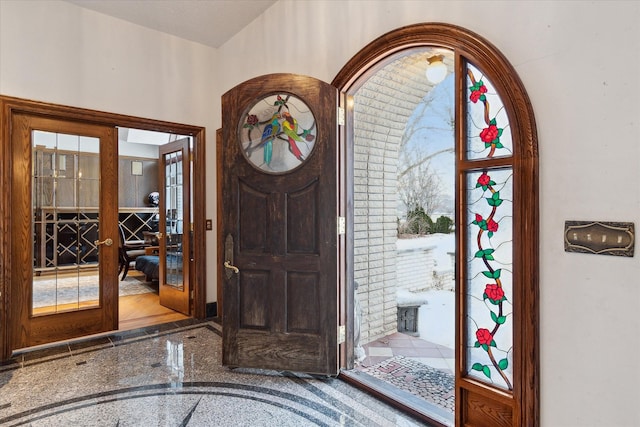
138, 311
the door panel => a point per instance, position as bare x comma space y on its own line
64, 213
252, 232
280, 198
175, 226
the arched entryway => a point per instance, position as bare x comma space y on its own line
495, 173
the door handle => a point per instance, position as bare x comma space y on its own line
231, 267
106, 242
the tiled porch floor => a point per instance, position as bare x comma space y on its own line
399, 344
417, 372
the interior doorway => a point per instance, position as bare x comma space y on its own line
66, 193
154, 208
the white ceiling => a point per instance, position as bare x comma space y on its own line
210, 22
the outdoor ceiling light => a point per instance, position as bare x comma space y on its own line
436, 70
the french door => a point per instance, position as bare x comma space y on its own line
64, 230
59, 220
175, 226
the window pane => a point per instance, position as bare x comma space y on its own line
488, 130
489, 279
175, 219
65, 194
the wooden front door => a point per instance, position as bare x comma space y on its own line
64, 230
175, 226
280, 225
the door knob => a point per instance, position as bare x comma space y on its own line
231, 267
106, 242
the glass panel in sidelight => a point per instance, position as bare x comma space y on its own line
489, 277
488, 130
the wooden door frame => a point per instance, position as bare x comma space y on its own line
526, 394
12, 105
526, 405
219, 222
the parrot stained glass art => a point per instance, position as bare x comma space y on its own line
272, 139
268, 134
290, 128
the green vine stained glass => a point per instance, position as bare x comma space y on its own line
489, 284
488, 132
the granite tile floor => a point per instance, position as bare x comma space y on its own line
171, 375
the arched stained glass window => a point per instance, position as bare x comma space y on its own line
488, 131
489, 236
496, 224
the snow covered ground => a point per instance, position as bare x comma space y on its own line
436, 319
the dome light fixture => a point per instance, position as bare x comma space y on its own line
436, 69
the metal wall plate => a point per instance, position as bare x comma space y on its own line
598, 237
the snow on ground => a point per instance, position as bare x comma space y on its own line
436, 319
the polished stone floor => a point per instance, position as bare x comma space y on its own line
171, 375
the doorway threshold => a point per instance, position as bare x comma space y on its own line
411, 404
98, 341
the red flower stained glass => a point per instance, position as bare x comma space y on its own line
484, 336
487, 120
484, 181
477, 92
490, 134
493, 293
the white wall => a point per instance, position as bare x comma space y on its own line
578, 60
56, 52
580, 64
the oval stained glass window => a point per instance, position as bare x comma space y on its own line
278, 133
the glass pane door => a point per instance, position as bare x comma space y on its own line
175, 220
65, 194
175, 225
64, 197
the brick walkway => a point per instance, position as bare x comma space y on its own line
422, 368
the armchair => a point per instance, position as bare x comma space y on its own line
128, 252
